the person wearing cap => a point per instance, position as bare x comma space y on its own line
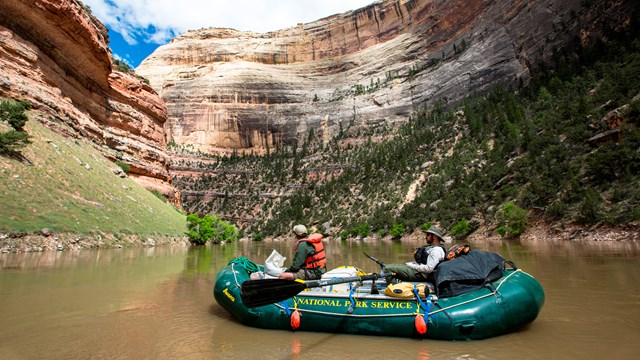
426, 259
309, 260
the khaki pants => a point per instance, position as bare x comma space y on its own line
306, 274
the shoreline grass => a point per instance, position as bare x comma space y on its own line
70, 187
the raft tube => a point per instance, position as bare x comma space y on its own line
499, 308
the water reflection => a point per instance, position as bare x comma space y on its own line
66, 259
208, 259
157, 303
423, 354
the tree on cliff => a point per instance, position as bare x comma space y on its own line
13, 113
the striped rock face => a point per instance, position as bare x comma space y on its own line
229, 90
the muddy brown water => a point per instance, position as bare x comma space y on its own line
157, 303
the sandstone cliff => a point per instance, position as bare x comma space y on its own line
55, 54
364, 69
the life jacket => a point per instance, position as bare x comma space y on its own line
422, 253
318, 259
457, 250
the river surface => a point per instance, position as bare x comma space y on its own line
157, 303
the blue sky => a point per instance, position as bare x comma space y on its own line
137, 27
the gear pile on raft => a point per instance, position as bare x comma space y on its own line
474, 296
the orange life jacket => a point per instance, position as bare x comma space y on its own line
318, 259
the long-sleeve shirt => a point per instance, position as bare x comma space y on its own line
436, 255
300, 257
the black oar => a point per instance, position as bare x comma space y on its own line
374, 287
374, 259
256, 293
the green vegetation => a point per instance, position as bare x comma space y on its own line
461, 229
210, 228
14, 114
512, 220
360, 230
396, 230
70, 187
159, 195
563, 148
125, 167
12, 141
121, 66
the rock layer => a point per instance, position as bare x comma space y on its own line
228, 90
55, 54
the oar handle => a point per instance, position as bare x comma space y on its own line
326, 282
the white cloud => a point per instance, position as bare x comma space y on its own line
157, 21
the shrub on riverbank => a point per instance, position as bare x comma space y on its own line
210, 228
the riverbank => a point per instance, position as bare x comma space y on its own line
557, 232
46, 241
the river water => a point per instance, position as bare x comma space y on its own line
157, 303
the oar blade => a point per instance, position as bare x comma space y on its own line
256, 293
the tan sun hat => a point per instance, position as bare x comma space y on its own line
300, 230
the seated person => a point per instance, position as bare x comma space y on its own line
309, 261
426, 257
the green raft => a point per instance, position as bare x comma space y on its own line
505, 305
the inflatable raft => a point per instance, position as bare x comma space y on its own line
493, 308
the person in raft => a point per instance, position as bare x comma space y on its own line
309, 260
426, 258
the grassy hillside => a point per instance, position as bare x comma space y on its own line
70, 187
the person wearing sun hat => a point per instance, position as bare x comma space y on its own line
426, 258
309, 260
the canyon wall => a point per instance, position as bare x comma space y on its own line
223, 90
228, 90
55, 54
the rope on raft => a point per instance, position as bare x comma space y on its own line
249, 265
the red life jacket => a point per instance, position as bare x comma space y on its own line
318, 259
